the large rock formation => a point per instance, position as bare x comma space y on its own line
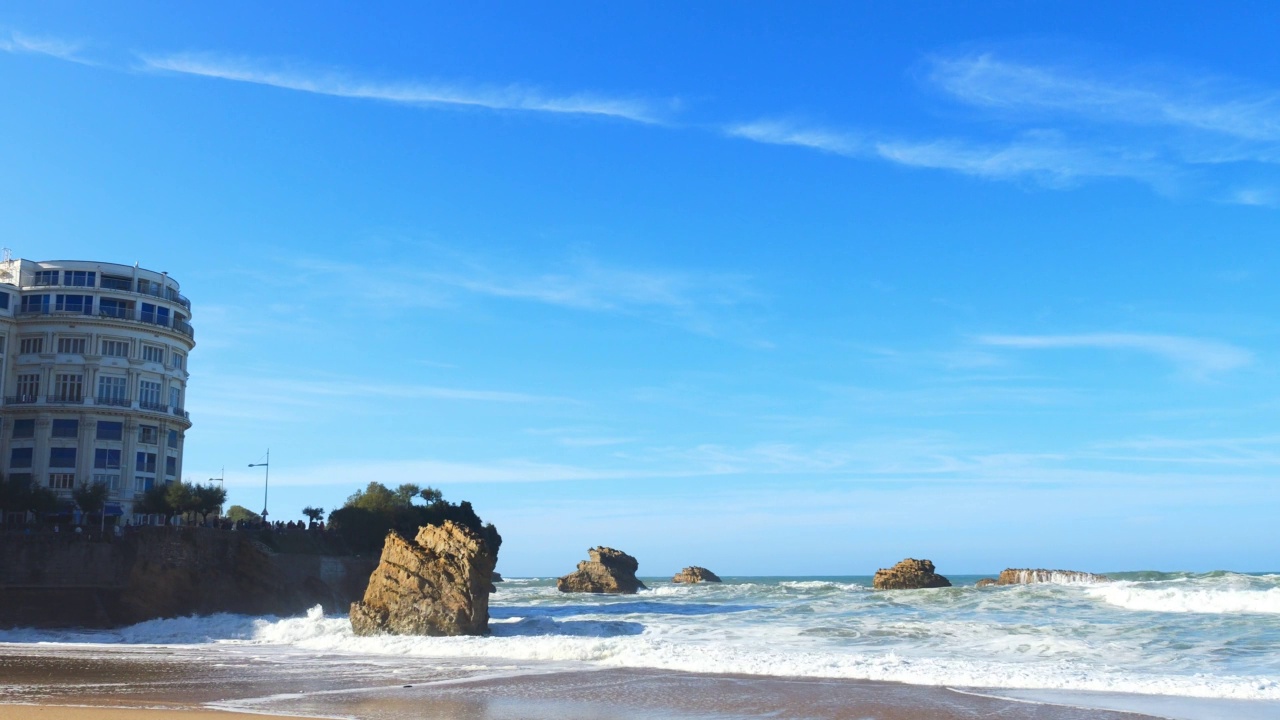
1016, 576
695, 574
910, 574
985, 582
439, 584
608, 571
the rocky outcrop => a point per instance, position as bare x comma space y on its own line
608, 571
985, 582
910, 574
1015, 576
496, 577
695, 574
157, 572
439, 584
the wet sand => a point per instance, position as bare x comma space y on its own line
86, 685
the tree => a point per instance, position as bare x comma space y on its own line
23, 495
154, 502
314, 513
181, 498
236, 513
370, 514
90, 497
206, 499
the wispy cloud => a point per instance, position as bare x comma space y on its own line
346, 85
1257, 197
693, 300
1194, 356
783, 132
1212, 105
21, 43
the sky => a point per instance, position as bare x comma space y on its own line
775, 289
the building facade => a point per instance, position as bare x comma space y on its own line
94, 362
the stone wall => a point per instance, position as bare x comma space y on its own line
66, 581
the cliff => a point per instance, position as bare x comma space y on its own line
68, 581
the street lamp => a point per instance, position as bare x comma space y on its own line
223, 482
266, 482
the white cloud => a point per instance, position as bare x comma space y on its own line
38, 45
780, 132
1128, 97
1256, 197
1195, 356
510, 97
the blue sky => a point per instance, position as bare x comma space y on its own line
769, 290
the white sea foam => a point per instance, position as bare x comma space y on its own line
1218, 642
1182, 599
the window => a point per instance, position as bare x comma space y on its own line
65, 428
62, 481
106, 459
72, 345
22, 480
113, 390
46, 277
3, 342
173, 439
110, 307
75, 304
20, 457
149, 395
155, 315
115, 282
149, 287
108, 430
31, 345
177, 360
62, 457
148, 434
115, 348
171, 466
24, 428
68, 387
145, 483
111, 480
4, 301
146, 462
175, 398
153, 353
28, 387
35, 304
79, 278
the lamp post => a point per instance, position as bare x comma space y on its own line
266, 481
222, 481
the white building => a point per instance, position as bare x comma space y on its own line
94, 362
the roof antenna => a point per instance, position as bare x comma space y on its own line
7, 255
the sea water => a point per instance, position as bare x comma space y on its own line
1211, 637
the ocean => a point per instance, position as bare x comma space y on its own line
1178, 645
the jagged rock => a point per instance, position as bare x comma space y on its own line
910, 574
608, 571
1016, 576
497, 578
984, 582
439, 584
695, 574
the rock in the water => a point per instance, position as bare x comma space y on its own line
608, 571
984, 582
910, 574
695, 574
439, 584
1015, 576
497, 578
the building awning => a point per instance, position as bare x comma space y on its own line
113, 510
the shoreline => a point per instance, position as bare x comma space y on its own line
184, 692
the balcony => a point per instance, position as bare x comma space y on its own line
21, 399
64, 399
153, 407
113, 401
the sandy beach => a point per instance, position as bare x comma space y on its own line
94, 686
